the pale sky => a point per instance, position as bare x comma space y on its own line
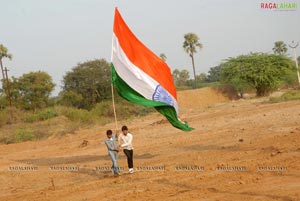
55, 35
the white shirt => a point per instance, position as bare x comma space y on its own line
126, 141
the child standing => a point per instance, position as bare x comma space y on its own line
113, 150
126, 143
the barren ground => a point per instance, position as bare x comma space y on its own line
239, 150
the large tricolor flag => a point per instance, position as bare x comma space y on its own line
142, 77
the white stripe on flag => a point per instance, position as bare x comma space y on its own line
132, 75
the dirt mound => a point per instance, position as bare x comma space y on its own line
201, 97
241, 150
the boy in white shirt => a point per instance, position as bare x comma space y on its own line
125, 139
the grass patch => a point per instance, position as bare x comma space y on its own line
80, 115
23, 135
288, 96
208, 84
19, 126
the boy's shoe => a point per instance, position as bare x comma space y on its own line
130, 170
117, 173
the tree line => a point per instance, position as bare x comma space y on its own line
88, 83
262, 72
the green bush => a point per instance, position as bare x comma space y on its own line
41, 116
104, 108
47, 114
81, 115
23, 135
289, 79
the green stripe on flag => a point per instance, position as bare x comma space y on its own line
131, 95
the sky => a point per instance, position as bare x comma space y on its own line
55, 35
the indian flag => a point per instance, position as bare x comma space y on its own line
140, 76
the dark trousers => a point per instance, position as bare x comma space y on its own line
129, 155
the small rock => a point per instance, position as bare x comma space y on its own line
212, 189
84, 143
275, 153
241, 140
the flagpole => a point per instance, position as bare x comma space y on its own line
114, 107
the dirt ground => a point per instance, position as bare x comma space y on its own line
239, 150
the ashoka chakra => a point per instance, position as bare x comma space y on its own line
160, 94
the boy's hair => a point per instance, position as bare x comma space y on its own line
124, 128
108, 132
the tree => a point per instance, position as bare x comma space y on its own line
180, 77
175, 75
184, 75
89, 83
214, 74
4, 54
3, 101
31, 91
201, 78
279, 48
190, 45
71, 99
259, 70
163, 57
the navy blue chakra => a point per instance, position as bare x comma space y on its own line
160, 94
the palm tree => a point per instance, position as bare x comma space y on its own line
190, 45
163, 56
279, 48
3, 54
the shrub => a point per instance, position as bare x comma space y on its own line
23, 135
7, 140
41, 116
103, 109
3, 117
81, 115
227, 90
10, 115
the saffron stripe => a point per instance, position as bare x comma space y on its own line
141, 56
